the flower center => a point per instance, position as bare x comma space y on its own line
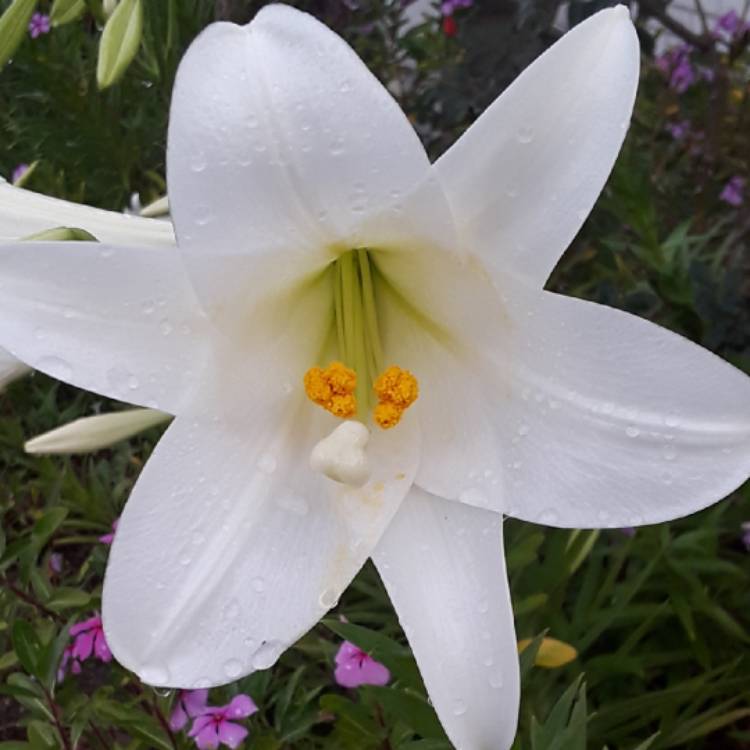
352, 387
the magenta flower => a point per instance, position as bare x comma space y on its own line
19, 172
109, 538
746, 534
733, 192
38, 25
68, 658
355, 667
89, 638
215, 726
189, 705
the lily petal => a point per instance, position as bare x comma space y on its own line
444, 568
23, 212
611, 421
234, 547
120, 321
524, 177
301, 154
10, 368
92, 433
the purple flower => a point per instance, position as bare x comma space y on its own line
190, 703
733, 191
729, 22
38, 25
109, 538
19, 172
628, 531
675, 64
746, 534
355, 667
89, 638
678, 130
449, 7
215, 727
55, 563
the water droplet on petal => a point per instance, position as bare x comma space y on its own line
233, 668
526, 135
632, 432
328, 598
154, 675
267, 463
266, 655
459, 707
548, 517
55, 367
258, 584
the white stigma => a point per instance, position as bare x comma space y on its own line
341, 455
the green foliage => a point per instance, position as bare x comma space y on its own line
660, 620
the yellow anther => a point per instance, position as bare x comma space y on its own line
387, 415
396, 386
396, 390
333, 389
343, 406
342, 379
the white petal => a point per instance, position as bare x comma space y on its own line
285, 149
608, 420
443, 566
92, 433
23, 212
232, 547
10, 368
120, 321
524, 177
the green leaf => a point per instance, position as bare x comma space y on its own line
119, 42
46, 526
13, 25
41, 736
65, 234
27, 646
66, 597
411, 709
66, 11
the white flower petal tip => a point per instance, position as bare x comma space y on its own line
341, 455
10, 368
523, 178
93, 433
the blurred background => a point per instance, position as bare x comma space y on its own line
653, 625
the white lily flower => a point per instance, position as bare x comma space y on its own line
93, 433
311, 227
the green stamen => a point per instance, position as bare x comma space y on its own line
357, 331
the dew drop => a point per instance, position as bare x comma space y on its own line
133, 383
669, 453
154, 675
266, 655
526, 135
185, 559
294, 503
258, 584
671, 421
148, 307
524, 429
548, 516
496, 680
55, 367
267, 463
632, 432
233, 668
459, 707
483, 606
328, 598
165, 327
473, 496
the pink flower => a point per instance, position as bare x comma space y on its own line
89, 638
68, 658
355, 667
190, 703
214, 727
109, 538
38, 25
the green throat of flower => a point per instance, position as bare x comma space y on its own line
354, 384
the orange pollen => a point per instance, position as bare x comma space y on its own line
396, 390
333, 389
